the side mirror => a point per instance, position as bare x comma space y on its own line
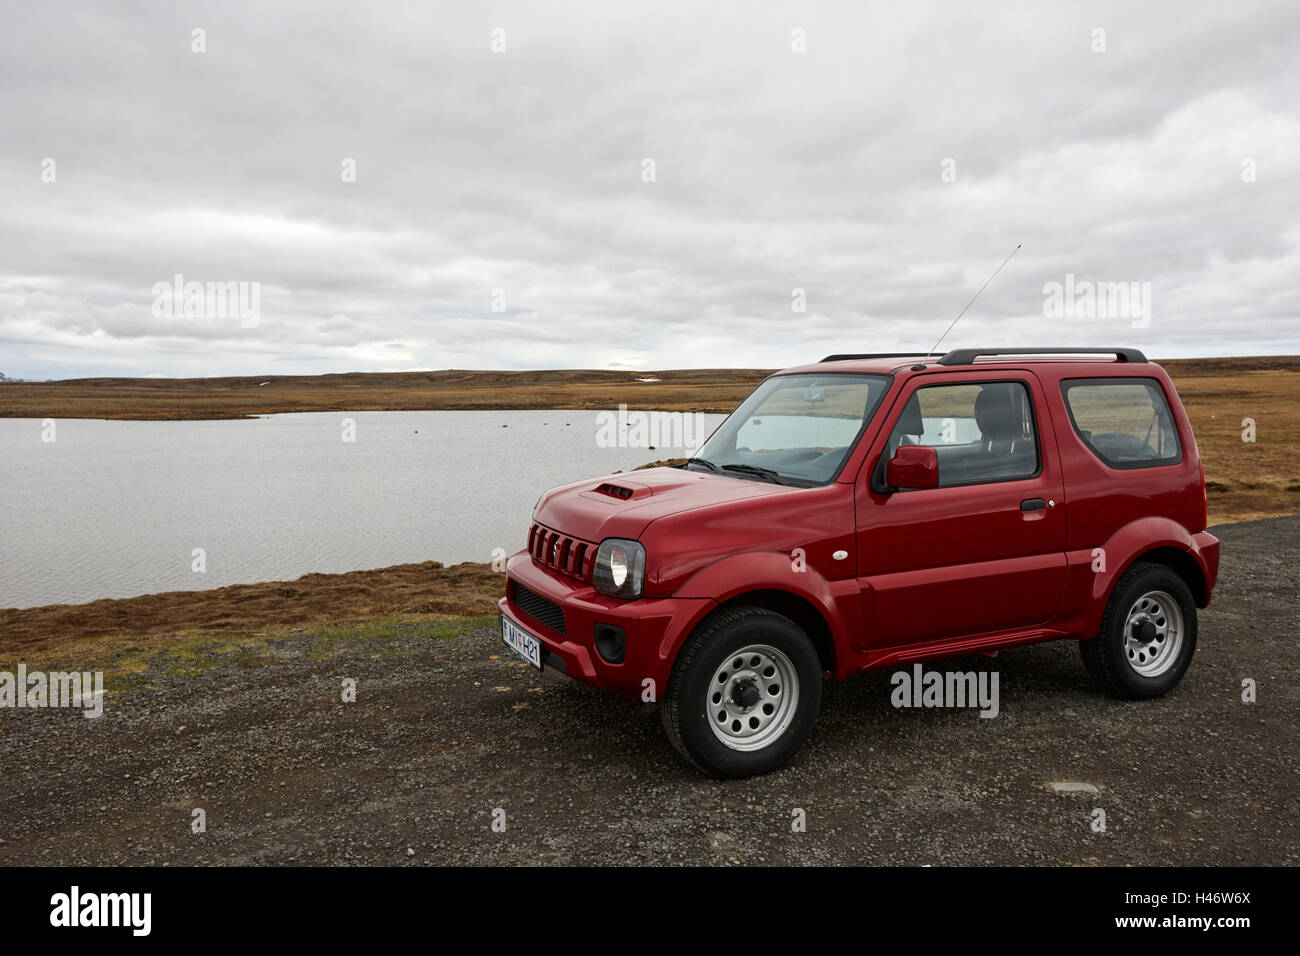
913, 466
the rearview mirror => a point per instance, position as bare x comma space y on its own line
913, 466
814, 393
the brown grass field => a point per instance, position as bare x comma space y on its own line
696, 390
1245, 481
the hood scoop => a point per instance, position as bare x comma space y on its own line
622, 492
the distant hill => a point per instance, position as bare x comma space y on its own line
166, 399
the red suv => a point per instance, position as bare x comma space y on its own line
871, 511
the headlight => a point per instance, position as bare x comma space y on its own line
620, 568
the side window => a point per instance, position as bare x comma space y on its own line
1126, 422
980, 431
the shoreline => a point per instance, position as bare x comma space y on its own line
107, 628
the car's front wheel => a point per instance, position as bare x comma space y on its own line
744, 693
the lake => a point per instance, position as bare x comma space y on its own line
116, 509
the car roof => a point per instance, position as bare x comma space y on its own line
958, 360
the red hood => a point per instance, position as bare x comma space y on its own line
623, 504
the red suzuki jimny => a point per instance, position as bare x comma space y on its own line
870, 511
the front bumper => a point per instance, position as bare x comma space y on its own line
654, 629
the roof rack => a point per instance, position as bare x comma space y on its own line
868, 355
968, 356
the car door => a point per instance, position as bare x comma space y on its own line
985, 550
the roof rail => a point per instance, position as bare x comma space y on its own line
968, 356
868, 355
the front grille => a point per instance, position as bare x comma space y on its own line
537, 607
562, 552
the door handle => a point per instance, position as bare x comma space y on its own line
1033, 504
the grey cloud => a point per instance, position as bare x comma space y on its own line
521, 172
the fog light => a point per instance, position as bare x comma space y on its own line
611, 643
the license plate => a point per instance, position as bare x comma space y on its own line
521, 642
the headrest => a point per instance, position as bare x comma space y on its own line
996, 414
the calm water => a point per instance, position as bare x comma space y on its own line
115, 509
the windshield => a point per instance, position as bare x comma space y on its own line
796, 429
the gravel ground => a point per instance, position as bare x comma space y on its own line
441, 735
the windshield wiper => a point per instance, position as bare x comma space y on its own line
768, 473
700, 461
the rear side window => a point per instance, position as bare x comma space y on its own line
1125, 422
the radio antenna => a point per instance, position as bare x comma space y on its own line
972, 301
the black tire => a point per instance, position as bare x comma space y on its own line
1106, 656
688, 708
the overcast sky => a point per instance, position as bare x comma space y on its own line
500, 215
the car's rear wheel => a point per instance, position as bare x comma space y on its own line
1148, 634
744, 693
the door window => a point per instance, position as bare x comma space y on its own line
980, 431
